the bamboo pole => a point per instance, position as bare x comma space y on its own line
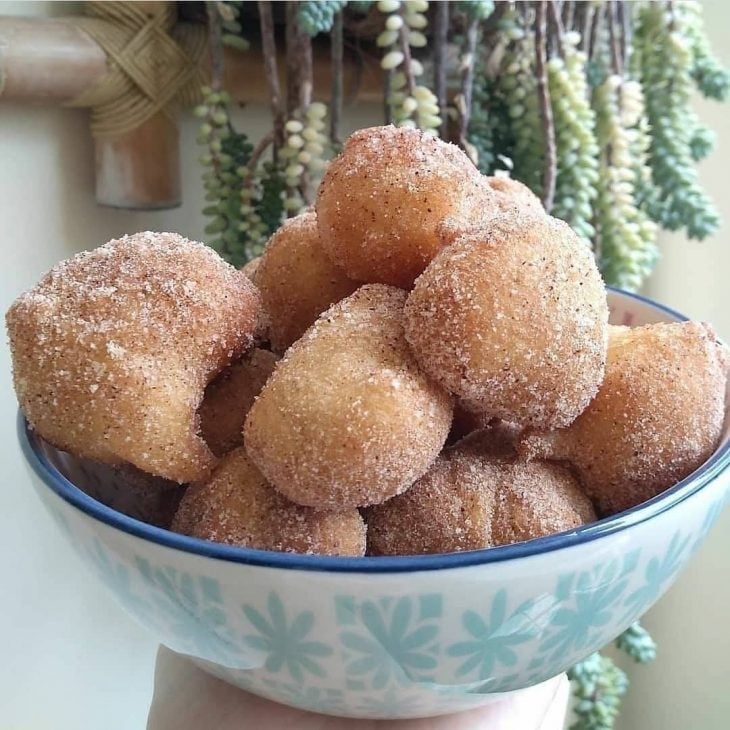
51, 60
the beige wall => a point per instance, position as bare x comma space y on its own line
689, 684
48, 212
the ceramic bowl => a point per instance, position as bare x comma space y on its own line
392, 637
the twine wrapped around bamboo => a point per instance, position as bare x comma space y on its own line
148, 69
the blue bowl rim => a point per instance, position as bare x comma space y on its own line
668, 499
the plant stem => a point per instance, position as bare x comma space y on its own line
298, 64
268, 45
467, 81
546, 112
440, 40
407, 69
598, 16
568, 14
337, 72
216, 46
624, 18
585, 36
557, 24
262, 145
616, 60
387, 84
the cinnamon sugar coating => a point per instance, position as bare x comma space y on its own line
297, 280
112, 350
511, 194
392, 199
229, 398
250, 268
657, 416
477, 495
238, 507
512, 319
347, 419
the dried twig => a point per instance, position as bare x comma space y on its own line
337, 73
568, 14
387, 88
216, 46
613, 33
298, 64
624, 17
467, 81
440, 40
556, 22
598, 17
546, 112
261, 146
407, 68
268, 47
588, 13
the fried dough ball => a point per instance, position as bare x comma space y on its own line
392, 199
261, 331
477, 495
238, 507
113, 348
347, 419
512, 319
297, 280
229, 398
510, 194
250, 268
657, 417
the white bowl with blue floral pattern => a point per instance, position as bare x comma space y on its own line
393, 637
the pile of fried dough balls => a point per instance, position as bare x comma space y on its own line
421, 363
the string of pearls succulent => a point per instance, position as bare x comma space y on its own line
230, 12
637, 643
599, 686
709, 74
479, 9
626, 233
226, 153
575, 141
251, 224
317, 16
416, 106
517, 86
304, 154
664, 57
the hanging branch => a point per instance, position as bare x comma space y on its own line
387, 86
263, 144
215, 34
337, 74
494, 40
440, 40
407, 67
546, 112
268, 43
467, 81
556, 23
624, 19
613, 32
585, 35
299, 73
568, 14
598, 17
